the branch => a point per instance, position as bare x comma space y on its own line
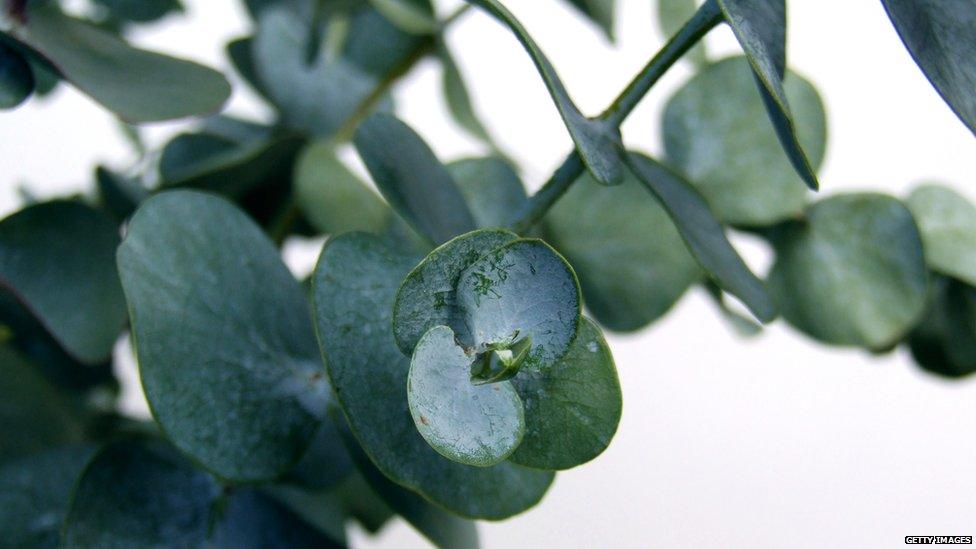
704, 20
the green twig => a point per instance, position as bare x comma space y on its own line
704, 20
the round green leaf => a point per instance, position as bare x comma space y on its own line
427, 297
34, 493
493, 191
940, 37
572, 409
717, 133
412, 179
223, 335
16, 78
57, 259
760, 28
333, 199
141, 11
944, 342
34, 414
140, 493
523, 289
138, 85
473, 424
354, 286
631, 261
948, 225
851, 273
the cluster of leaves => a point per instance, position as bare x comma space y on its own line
435, 365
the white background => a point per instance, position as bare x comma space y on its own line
772, 442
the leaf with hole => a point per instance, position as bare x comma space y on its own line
472, 424
428, 295
703, 235
234, 379
523, 289
760, 27
354, 286
716, 132
852, 272
597, 142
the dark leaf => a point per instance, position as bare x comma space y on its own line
16, 78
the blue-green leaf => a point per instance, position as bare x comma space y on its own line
760, 27
939, 35
704, 235
572, 409
56, 258
523, 289
412, 179
717, 133
852, 272
354, 286
428, 297
947, 222
597, 142
471, 424
493, 191
138, 85
16, 78
232, 376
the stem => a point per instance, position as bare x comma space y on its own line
553, 190
704, 20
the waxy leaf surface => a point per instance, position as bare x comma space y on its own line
947, 222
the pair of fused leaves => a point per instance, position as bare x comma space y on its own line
138, 85
491, 322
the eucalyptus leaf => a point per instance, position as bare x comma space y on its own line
703, 235
323, 510
326, 462
852, 272
234, 380
716, 132
947, 222
597, 141
141, 11
241, 55
16, 78
333, 198
442, 528
633, 265
760, 27
458, 97
472, 424
138, 85
428, 296
412, 179
34, 415
671, 16
939, 35
523, 289
117, 503
34, 493
944, 342
56, 258
317, 97
493, 191
354, 286
376, 45
120, 195
600, 11
572, 409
